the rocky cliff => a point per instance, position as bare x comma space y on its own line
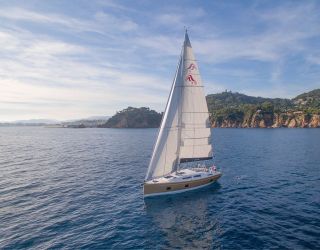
273, 120
234, 110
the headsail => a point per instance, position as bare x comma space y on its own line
184, 133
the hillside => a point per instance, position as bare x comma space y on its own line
229, 109
230, 99
235, 110
309, 101
134, 118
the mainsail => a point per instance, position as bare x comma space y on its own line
184, 134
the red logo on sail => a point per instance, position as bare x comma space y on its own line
190, 79
192, 66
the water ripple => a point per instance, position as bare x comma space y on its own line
81, 189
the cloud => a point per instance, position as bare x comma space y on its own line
285, 31
100, 22
75, 24
114, 23
161, 45
114, 56
114, 5
269, 46
177, 19
36, 69
314, 59
170, 19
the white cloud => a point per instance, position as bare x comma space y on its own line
53, 73
163, 45
100, 22
269, 46
286, 29
167, 19
48, 18
119, 56
111, 22
114, 5
314, 59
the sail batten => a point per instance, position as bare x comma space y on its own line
184, 134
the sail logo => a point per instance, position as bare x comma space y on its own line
191, 80
192, 66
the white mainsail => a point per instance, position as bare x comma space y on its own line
184, 134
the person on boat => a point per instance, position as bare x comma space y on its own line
212, 169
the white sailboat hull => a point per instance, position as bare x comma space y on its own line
178, 183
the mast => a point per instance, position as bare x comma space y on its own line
186, 38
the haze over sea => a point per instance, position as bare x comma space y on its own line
81, 189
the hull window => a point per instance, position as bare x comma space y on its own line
189, 177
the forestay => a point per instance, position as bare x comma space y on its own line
184, 134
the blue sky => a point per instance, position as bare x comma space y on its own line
74, 59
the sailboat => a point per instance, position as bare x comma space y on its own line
183, 148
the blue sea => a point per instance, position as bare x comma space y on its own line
81, 189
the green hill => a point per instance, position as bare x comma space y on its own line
314, 94
230, 99
309, 102
230, 109
134, 118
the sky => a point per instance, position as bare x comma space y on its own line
74, 59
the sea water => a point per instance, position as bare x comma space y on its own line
82, 189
